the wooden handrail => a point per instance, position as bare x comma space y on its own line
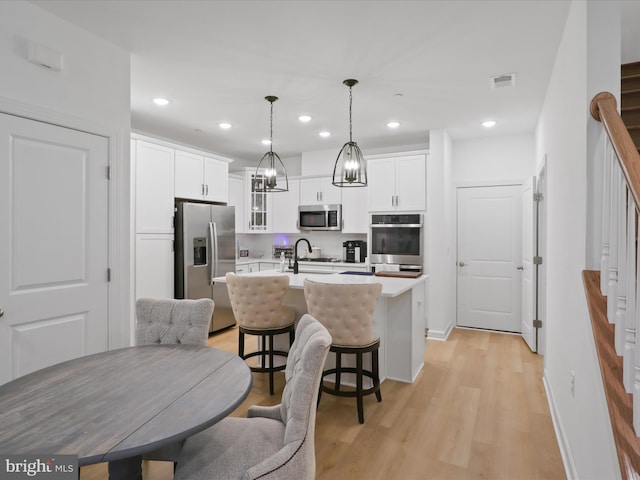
604, 109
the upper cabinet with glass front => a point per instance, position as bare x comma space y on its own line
258, 208
259, 214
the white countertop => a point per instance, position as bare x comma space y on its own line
391, 287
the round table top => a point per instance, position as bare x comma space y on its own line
120, 403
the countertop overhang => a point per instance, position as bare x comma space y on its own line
391, 287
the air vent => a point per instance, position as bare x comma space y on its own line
505, 80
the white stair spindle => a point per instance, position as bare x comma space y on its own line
628, 361
612, 290
606, 197
636, 370
621, 299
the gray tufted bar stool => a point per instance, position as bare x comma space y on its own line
347, 312
257, 306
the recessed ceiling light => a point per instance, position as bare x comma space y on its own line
393, 124
161, 101
304, 118
488, 124
325, 134
266, 141
224, 125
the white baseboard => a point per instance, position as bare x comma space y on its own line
439, 334
563, 443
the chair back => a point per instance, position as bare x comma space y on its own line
304, 370
170, 321
345, 310
256, 300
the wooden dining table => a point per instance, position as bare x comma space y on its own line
121, 403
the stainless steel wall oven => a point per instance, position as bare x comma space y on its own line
397, 239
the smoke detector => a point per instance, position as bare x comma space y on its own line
504, 80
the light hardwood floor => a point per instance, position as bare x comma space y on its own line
478, 410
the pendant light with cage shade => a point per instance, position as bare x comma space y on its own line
350, 169
270, 167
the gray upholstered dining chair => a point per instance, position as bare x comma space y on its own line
257, 307
273, 442
347, 312
169, 321
165, 320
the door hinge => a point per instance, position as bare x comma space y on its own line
108, 172
537, 324
108, 274
537, 260
537, 197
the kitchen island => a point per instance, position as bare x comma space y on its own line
398, 317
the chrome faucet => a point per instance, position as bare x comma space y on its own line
295, 253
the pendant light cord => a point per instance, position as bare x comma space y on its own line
350, 101
271, 130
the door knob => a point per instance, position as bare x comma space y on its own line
520, 267
1, 312
461, 264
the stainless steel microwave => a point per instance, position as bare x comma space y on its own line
320, 217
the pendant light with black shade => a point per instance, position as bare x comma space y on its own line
270, 166
350, 169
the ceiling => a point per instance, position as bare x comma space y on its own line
425, 64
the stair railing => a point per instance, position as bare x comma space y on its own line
620, 262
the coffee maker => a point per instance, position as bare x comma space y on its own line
354, 251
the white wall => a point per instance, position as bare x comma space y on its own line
507, 157
603, 74
582, 422
90, 93
440, 237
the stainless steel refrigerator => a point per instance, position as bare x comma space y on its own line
205, 249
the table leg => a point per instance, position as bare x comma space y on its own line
126, 469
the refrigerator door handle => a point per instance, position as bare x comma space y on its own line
213, 262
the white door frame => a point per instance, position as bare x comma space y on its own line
541, 250
467, 184
120, 300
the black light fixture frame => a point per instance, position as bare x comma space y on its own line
350, 166
270, 166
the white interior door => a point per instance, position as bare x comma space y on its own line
53, 245
489, 254
528, 268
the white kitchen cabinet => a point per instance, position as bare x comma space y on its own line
258, 206
237, 199
248, 268
216, 180
264, 266
353, 267
154, 187
355, 211
285, 208
201, 178
154, 266
397, 183
319, 191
